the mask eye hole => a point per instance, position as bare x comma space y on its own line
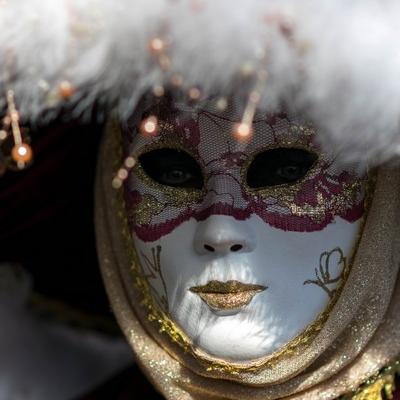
279, 166
172, 167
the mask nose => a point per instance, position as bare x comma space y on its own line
221, 235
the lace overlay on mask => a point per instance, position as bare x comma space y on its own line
327, 191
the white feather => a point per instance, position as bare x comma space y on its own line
338, 60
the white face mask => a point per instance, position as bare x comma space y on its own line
244, 244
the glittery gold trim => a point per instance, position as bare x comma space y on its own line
286, 193
384, 386
174, 196
228, 301
228, 287
278, 190
378, 387
153, 264
148, 207
297, 134
155, 313
229, 295
154, 309
296, 137
337, 204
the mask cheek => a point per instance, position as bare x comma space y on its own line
169, 265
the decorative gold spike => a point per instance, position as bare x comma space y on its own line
21, 152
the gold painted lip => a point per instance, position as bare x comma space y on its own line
230, 295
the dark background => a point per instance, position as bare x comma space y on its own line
47, 226
46, 216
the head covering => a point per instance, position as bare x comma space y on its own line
357, 340
331, 58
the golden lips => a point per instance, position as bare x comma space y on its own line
230, 295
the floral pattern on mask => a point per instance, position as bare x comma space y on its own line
154, 210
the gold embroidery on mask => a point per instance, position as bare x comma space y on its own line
143, 212
288, 189
172, 196
337, 204
153, 265
155, 305
297, 137
323, 274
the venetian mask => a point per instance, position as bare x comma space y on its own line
245, 242
240, 257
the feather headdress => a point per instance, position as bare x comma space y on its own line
338, 60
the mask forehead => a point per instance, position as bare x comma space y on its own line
207, 130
